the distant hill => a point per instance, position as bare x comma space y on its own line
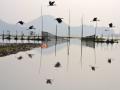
49, 24
12, 28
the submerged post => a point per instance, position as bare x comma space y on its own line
55, 39
16, 37
3, 36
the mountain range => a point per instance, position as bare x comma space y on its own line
49, 25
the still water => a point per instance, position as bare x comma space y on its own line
75, 72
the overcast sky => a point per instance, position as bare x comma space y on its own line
106, 10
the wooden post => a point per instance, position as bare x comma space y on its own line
3, 36
16, 37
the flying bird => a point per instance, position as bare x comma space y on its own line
49, 81
57, 65
21, 22
30, 55
51, 3
109, 60
95, 19
93, 68
31, 27
20, 58
111, 25
59, 20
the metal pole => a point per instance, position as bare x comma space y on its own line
82, 28
41, 22
56, 40
69, 27
95, 29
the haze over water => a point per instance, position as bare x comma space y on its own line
27, 10
84, 65
27, 74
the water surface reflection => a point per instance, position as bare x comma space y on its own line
75, 58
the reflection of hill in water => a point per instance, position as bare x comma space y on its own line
90, 44
60, 41
52, 40
62, 44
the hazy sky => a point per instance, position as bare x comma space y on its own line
107, 10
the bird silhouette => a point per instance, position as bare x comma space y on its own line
95, 19
93, 68
49, 81
109, 60
20, 58
59, 20
57, 65
31, 27
30, 55
111, 25
51, 3
21, 22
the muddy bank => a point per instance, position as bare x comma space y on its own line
7, 49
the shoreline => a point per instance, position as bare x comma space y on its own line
13, 48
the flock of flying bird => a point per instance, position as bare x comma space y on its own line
93, 68
59, 20
57, 65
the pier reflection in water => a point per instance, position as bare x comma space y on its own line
74, 73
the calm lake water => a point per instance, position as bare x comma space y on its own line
74, 74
